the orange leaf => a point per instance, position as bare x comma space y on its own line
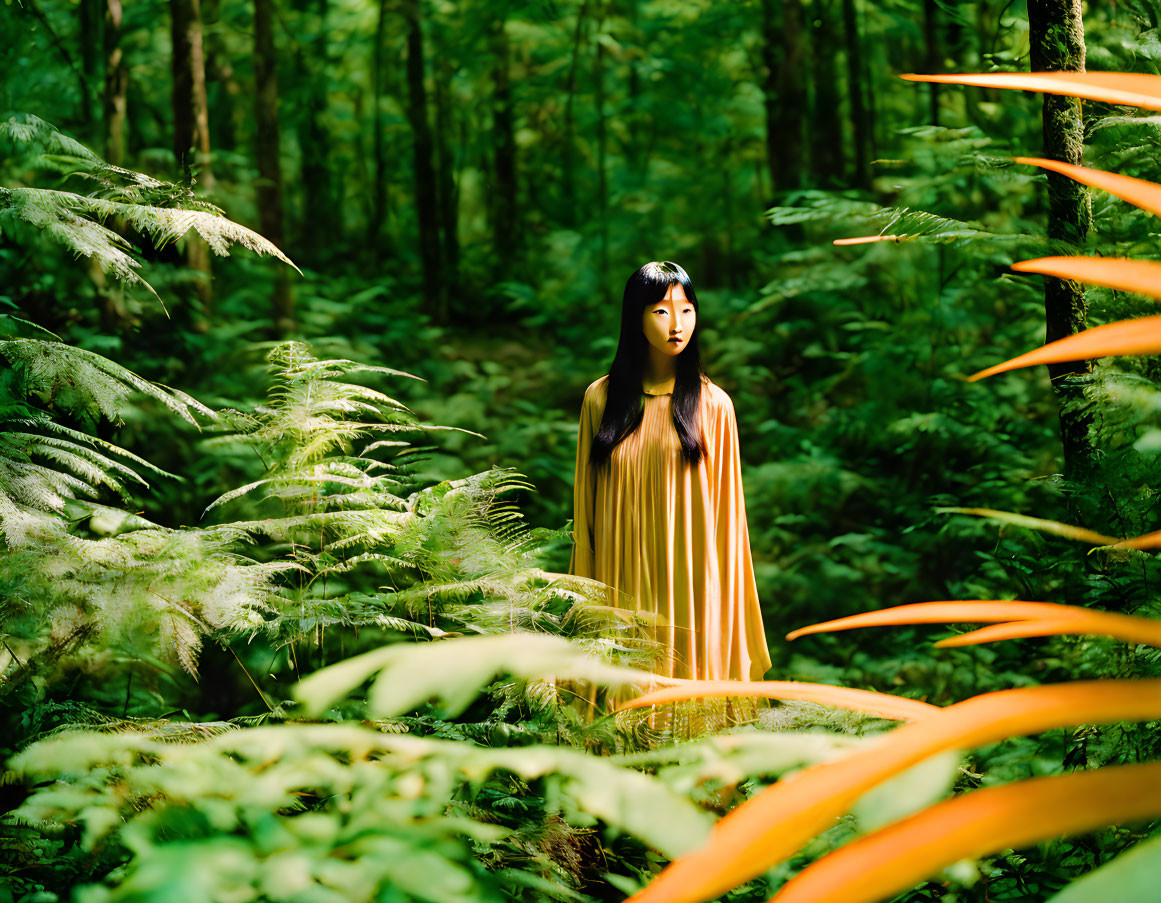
977, 824
774, 824
1084, 622
1131, 88
985, 611
1148, 541
1011, 620
1121, 273
868, 239
1140, 336
895, 708
1142, 193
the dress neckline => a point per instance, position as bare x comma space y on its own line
655, 394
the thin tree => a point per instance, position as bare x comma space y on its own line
785, 93
267, 151
1056, 33
381, 188
191, 126
505, 229
860, 121
426, 194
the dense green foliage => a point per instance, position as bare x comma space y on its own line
204, 501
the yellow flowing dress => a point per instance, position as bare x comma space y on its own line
672, 541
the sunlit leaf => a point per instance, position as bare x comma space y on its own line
1148, 541
1127, 88
1035, 523
898, 857
455, 671
774, 824
1142, 193
1121, 273
895, 708
1140, 336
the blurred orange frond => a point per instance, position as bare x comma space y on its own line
1011, 620
1121, 273
979, 610
1140, 336
1140, 192
1130, 88
898, 857
774, 824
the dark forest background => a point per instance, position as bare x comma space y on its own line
466, 187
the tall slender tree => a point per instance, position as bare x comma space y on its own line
116, 85
267, 150
446, 154
191, 126
426, 193
785, 92
1056, 33
826, 140
381, 187
505, 228
860, 120
320, 209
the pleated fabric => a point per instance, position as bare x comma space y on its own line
671, 539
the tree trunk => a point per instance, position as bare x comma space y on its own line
931, 57
568, 166
602, 142
505, 228
116, 86
92, 22
267, 151
228, 113
826, 145
191, 129
320, 210
380, 192
426, 195
860, 123
1056, 33
111, 297
782, 51
445, 130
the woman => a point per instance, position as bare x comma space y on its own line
658, 508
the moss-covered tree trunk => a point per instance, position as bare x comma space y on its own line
1057, 44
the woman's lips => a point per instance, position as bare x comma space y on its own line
675, 340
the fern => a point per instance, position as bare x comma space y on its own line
161, 210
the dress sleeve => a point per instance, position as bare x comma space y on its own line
741, 611
583, 495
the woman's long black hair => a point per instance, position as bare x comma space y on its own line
625, 408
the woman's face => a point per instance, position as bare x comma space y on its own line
670, 322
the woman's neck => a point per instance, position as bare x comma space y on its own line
660, 371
